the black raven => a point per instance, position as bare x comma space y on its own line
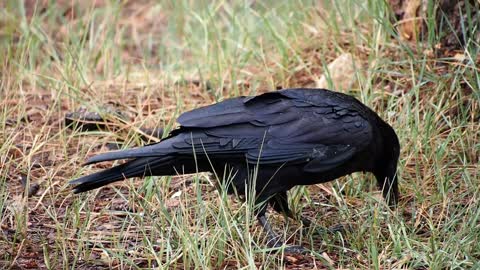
292, 136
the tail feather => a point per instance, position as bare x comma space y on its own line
153, 150
135, 168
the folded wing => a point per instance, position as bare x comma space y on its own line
310, 126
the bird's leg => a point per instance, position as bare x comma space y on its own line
274, 240
279, 202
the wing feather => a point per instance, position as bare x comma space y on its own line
276, 127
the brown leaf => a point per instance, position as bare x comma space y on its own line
291, 259
341, 72
410, 24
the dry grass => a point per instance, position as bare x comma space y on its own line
153, 61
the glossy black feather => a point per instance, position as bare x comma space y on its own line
296, 136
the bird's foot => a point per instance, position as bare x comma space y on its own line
275, 241
295, 249
307, 223
338, 228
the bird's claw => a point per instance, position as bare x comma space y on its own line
295, 250
277, 243
338, 228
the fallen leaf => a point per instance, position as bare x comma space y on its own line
341, 72
291, 259
409, 26
327, 258
460, 57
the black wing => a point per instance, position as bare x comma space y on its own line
320, 127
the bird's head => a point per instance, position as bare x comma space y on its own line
386, 168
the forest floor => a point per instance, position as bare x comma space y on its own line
151, 61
